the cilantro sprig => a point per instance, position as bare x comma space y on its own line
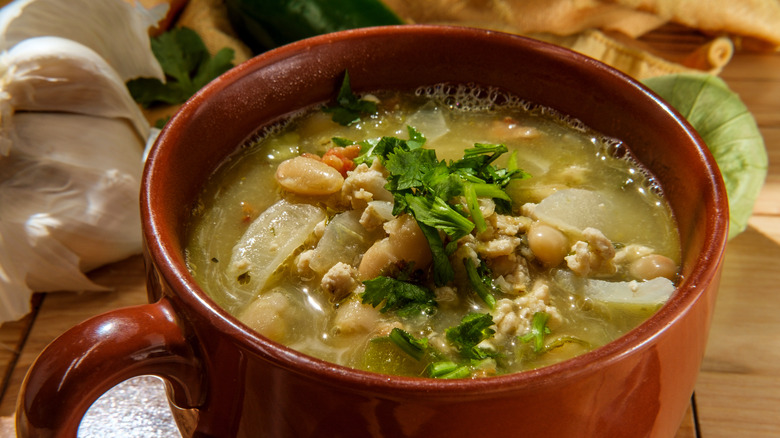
404, 298
428, 189
187, 65
538, 331
472, 330
481, 281
465, 338
349, 108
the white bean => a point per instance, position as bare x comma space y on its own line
308, 176
548, 244
405, 242
653, 266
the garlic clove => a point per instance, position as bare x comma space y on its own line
69, 202
115, 29
56, 74
83, 171
53, 264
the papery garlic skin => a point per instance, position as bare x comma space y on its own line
70, 185
71, 142
56, 74
115, 29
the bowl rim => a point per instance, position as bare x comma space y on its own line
167, 260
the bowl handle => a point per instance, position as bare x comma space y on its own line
94, 356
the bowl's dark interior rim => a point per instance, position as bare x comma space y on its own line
169, 260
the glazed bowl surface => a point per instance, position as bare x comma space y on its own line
225, 380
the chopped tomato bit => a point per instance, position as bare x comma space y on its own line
340, 158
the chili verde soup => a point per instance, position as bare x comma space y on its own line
451, 232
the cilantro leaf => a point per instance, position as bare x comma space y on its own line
448, 370
481, 282
538, 330
436, 213
443, 271
427, 188
408, 344
473, 329
406, 299
187, 65
416, 139
349, 108
409, 168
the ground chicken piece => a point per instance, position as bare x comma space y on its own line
514, 280
303, 263
631, 253
593, 257
513, 317
365, 184
319, 229
527, 210
376, 214
574, 175
509, 225
446, 296
340, 281
500, 246
467, 248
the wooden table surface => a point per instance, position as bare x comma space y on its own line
738, 390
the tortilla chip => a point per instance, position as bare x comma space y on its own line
557, 17
640, 63
209, 19
756, 19
174, 7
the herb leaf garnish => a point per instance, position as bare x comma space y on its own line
428, 188
406, 299
187, 65
538, 331
473, 329
409, 344
349, 107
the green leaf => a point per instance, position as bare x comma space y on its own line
470, 193
349, 108
212, 67
409, 168
480, 282
438, 214
187, 65
264, 24
448, 370
406, 299
443, 272
730, 132
409, 344
473, 329
538, 331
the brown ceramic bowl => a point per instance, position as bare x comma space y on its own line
237, 383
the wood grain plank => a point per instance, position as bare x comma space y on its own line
688, 426
62, 310
768, 202
732, 405
13, 335
744, 334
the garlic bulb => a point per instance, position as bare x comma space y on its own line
56, 74
114, 29
71, 143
